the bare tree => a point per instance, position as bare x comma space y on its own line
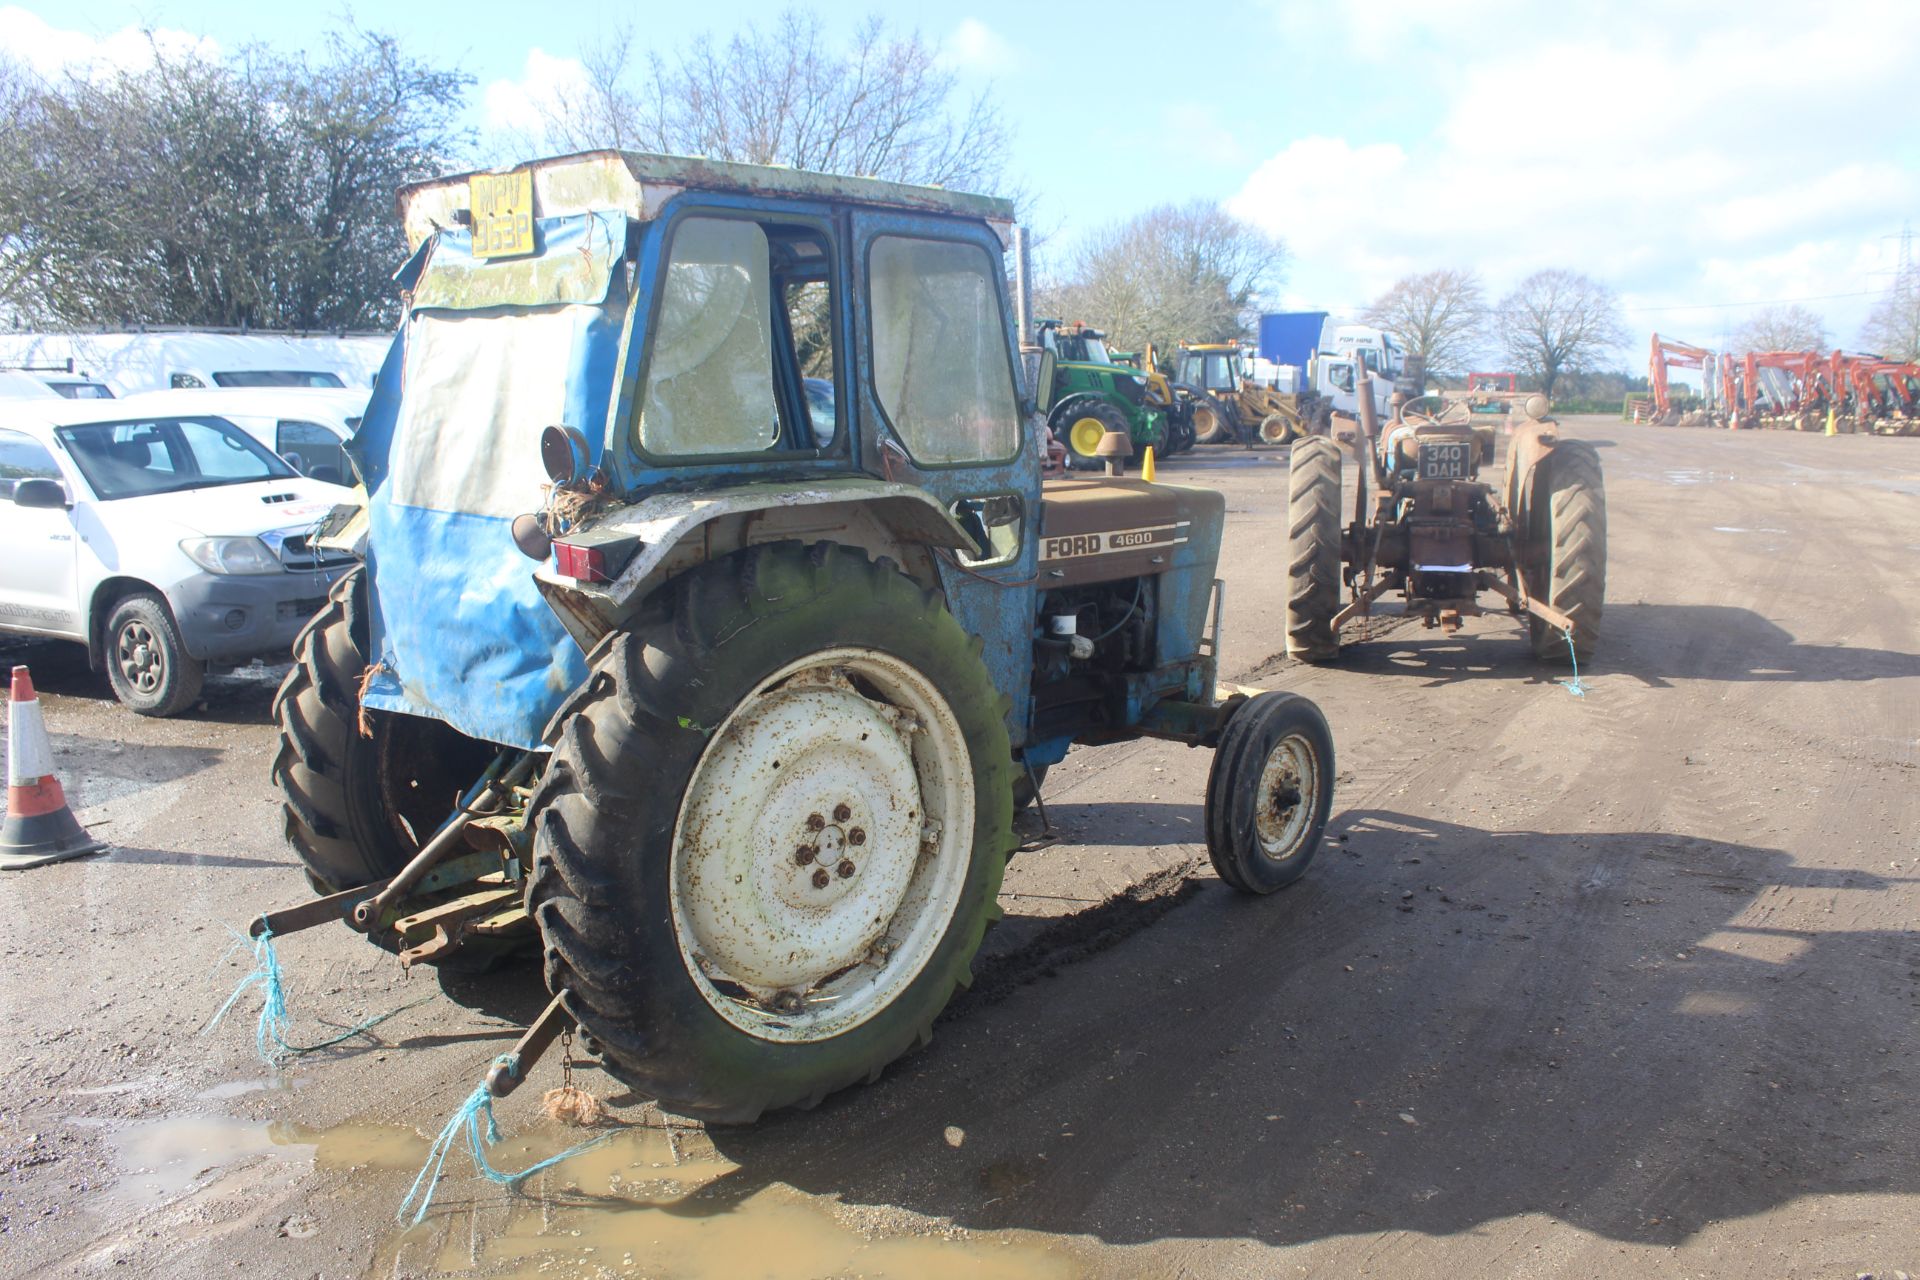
1441, 315
1559, 321
1892, 328
1189, 272
1785, 328
882, 106
254, 191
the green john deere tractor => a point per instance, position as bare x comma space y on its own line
1092, 394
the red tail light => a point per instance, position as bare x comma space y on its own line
586, 564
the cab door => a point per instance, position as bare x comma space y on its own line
940, 408
38, 547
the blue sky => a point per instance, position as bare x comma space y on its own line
1685, 153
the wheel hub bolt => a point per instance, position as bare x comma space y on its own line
842, 812
804, 854
815, 822
820, 878
857, 836
846, 870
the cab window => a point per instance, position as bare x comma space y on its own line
742, 357
23, 458
940, 367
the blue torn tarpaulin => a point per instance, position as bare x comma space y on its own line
449, 450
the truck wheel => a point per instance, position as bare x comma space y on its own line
1269, 792
1080, 428
147, 665
1211, 422
773, 830
1313, 549
353, 807
1570, 550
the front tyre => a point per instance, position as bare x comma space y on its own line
773, 830
147, 664
1082, 425
1269, 792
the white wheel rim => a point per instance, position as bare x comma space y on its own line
1286, 801
850, 763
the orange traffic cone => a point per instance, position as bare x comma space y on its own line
39, 827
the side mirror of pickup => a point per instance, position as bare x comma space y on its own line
40, 493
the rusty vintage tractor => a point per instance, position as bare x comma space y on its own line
1427, 526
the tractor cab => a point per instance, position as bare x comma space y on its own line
1213, 367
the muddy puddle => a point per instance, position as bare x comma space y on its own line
629, 1207
632, 1208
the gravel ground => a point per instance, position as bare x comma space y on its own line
1621, 983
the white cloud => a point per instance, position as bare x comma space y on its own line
1751, 157
975, 47
517, 107
52, 51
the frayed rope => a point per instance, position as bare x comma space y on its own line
270, 1036
479, 1103
1572, 686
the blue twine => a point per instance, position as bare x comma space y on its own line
479, 1103
1572, 686
270, 1036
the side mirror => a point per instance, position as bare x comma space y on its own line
46, 494
1043, 381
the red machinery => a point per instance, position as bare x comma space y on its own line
1677, 355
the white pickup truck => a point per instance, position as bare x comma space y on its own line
167, 544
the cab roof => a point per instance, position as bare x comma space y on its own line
637, 183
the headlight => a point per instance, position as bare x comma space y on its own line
231, 555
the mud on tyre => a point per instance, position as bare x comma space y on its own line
773, 830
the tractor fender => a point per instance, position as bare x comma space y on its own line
1532, 441
678, 531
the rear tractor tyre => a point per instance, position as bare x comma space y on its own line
1269, 792
1080, 428
1570, 550
1212, 424
356, 808
1313, 549
773, 830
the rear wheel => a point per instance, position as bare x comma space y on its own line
773, 830
1081, 425
355, 807
1212, 424
147, 664
1569, 550
1313, 549
1269, 792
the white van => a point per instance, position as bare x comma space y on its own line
167, 544
306, 426
134, 362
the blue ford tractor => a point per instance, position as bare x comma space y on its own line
719, 686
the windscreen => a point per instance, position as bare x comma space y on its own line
277, 378
133, 459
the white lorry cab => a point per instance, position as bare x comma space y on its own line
167, 544
307, 426
1347, 348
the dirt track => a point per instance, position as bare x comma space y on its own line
1622, 983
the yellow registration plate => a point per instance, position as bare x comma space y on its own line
502, 214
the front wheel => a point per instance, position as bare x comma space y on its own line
1269, 792
772, 833
147, 664
1081, 427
